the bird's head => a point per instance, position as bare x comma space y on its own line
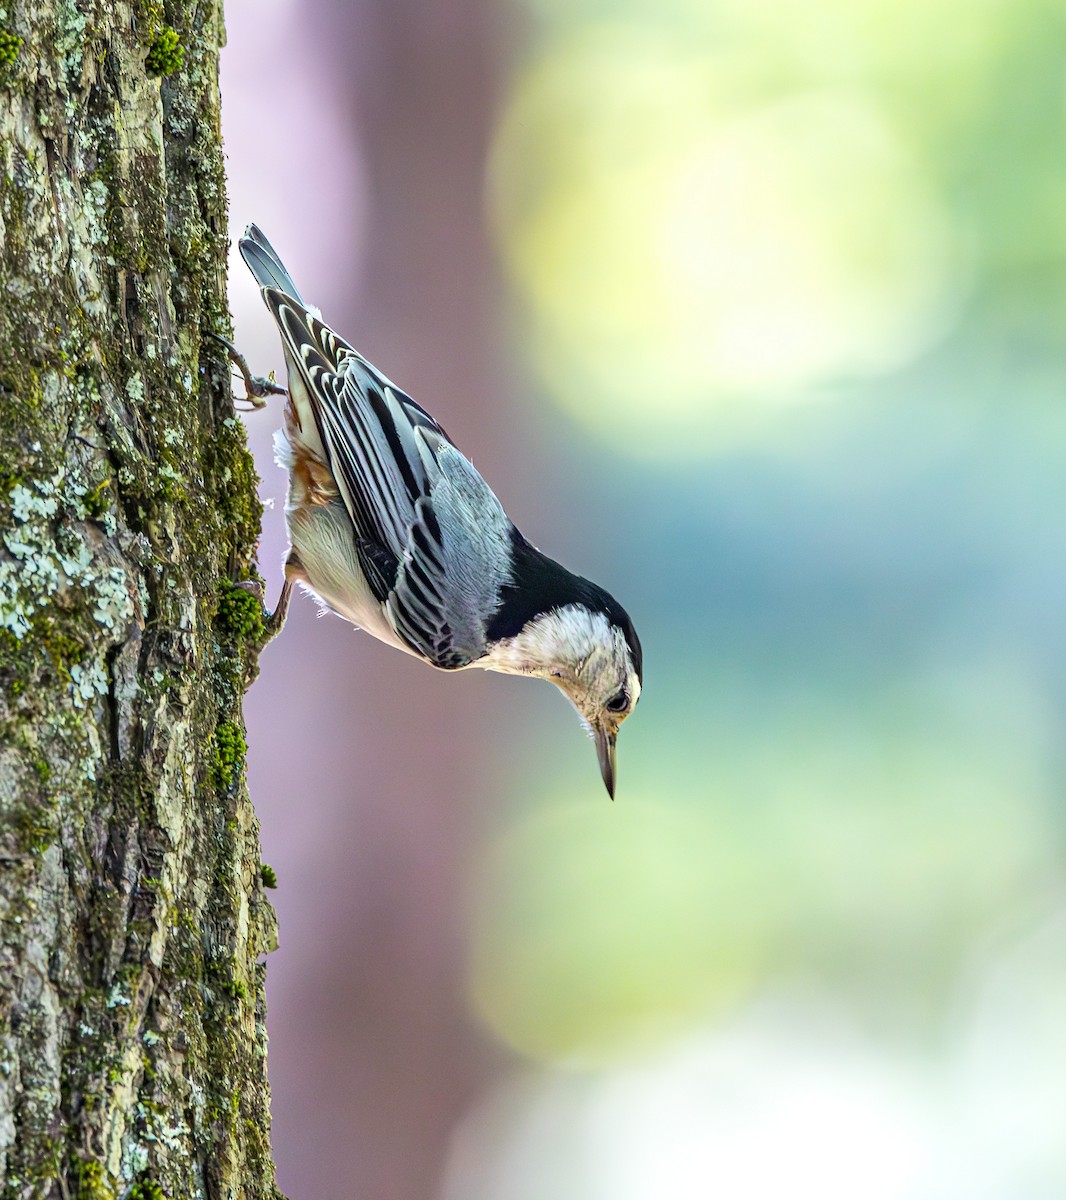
603, 684
592, 654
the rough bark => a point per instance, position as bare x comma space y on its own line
132, 913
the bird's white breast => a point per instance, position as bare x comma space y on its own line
324, 541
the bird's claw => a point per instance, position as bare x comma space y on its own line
254, 588
256, 387
272, 621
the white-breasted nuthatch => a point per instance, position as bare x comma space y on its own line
392, 528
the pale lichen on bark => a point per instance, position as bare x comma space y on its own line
132, 915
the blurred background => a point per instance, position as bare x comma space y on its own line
755, 313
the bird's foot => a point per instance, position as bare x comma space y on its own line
272, 621
256, 387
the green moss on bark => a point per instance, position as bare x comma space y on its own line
10, 45
166, 55
230, 749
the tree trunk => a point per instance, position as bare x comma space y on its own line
132, 911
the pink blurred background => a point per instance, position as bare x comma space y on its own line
356, 136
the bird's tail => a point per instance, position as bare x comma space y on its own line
263, 262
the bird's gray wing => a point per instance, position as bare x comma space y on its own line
420, 607
427, 524
455, 563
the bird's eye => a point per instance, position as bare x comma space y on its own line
618, 703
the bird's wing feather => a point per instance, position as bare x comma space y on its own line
454, 568
414, 499
418, 606
365, 424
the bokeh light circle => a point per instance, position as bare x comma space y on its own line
680, 248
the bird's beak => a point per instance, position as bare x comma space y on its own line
606, 741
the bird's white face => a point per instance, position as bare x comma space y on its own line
604, 688
588, 659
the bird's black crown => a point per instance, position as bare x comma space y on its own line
540, 585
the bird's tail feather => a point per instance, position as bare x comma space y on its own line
263, 262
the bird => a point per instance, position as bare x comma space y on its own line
391, 527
